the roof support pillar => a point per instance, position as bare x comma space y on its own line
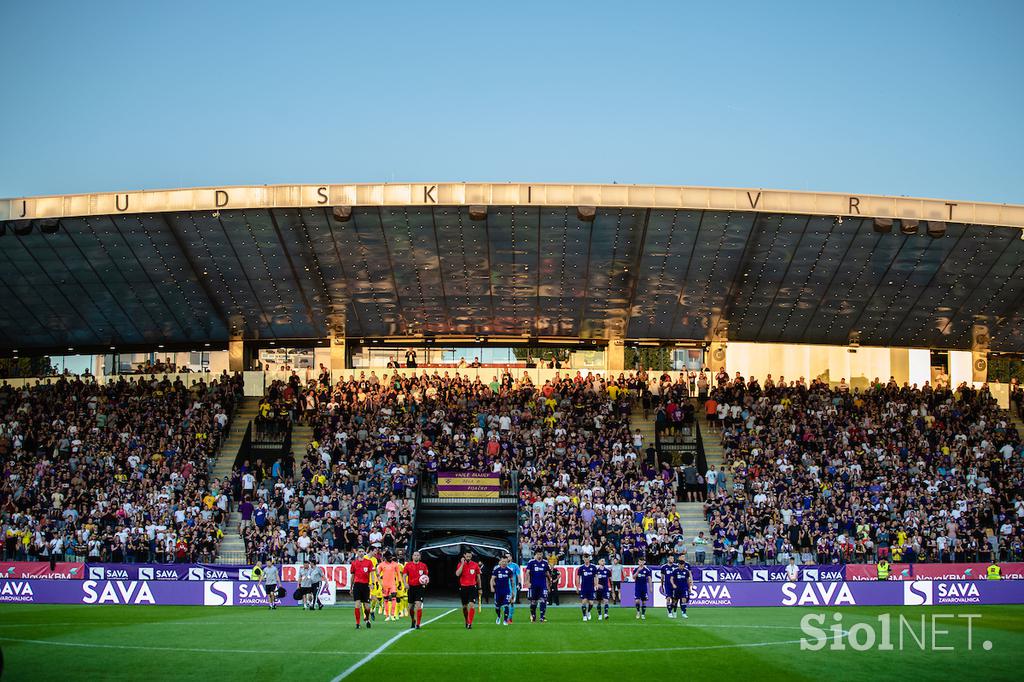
615, 356
338, 354
241, 355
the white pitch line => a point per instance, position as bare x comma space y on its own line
192, 650
173, 623
373, 654
590, 652
380, 651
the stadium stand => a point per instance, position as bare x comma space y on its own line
119, 472
831, 475
113, 472
585, 483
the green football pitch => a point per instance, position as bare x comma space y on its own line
42, 642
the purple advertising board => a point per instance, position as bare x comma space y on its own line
765, 574
197, 572
145, 592
813, 593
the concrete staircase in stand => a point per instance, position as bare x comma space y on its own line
244, 413
232, 549
302, 435
1016, 421
646, 427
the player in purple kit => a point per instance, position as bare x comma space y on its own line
681, 580
537, 572
641, 587
586, 576
501, 586
604, 589
666, 575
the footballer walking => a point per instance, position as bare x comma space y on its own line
537, 572
470, 586
501, 587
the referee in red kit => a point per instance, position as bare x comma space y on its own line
470, 587
361, 570
417, 574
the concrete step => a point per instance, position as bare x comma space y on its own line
691, 516
302, 436
243, 414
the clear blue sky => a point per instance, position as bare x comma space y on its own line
913, 98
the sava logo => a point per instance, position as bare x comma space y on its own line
164, 574
245, 574
200, 573
16, 591
715, 575
763, 575
817, 594
811, 574
145, 573
249, 594
710, 594
918, 593
101, 573
116, 592
218, 593
957, 593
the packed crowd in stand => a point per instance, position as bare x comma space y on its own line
834, 475
119, 472
585, 484
112, 472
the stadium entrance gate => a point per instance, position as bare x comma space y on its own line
446, 525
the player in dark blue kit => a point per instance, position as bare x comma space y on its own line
641, 587
681, 580
604, 589
501, 586
537, 571
666, 587
586, 577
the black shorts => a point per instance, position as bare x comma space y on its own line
361, 592
468, 594
416, 593
538, 594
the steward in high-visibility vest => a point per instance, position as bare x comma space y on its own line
994, 572
883, 570
257, 571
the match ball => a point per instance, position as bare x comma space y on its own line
424, 580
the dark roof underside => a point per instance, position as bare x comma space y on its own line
539, 271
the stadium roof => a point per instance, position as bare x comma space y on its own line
294, 262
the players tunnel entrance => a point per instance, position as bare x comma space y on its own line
442, 557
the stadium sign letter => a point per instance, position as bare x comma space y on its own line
220, 198
855, 204
951, 205
117, 202
428, 194
23, 202
322, 193
753, 200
